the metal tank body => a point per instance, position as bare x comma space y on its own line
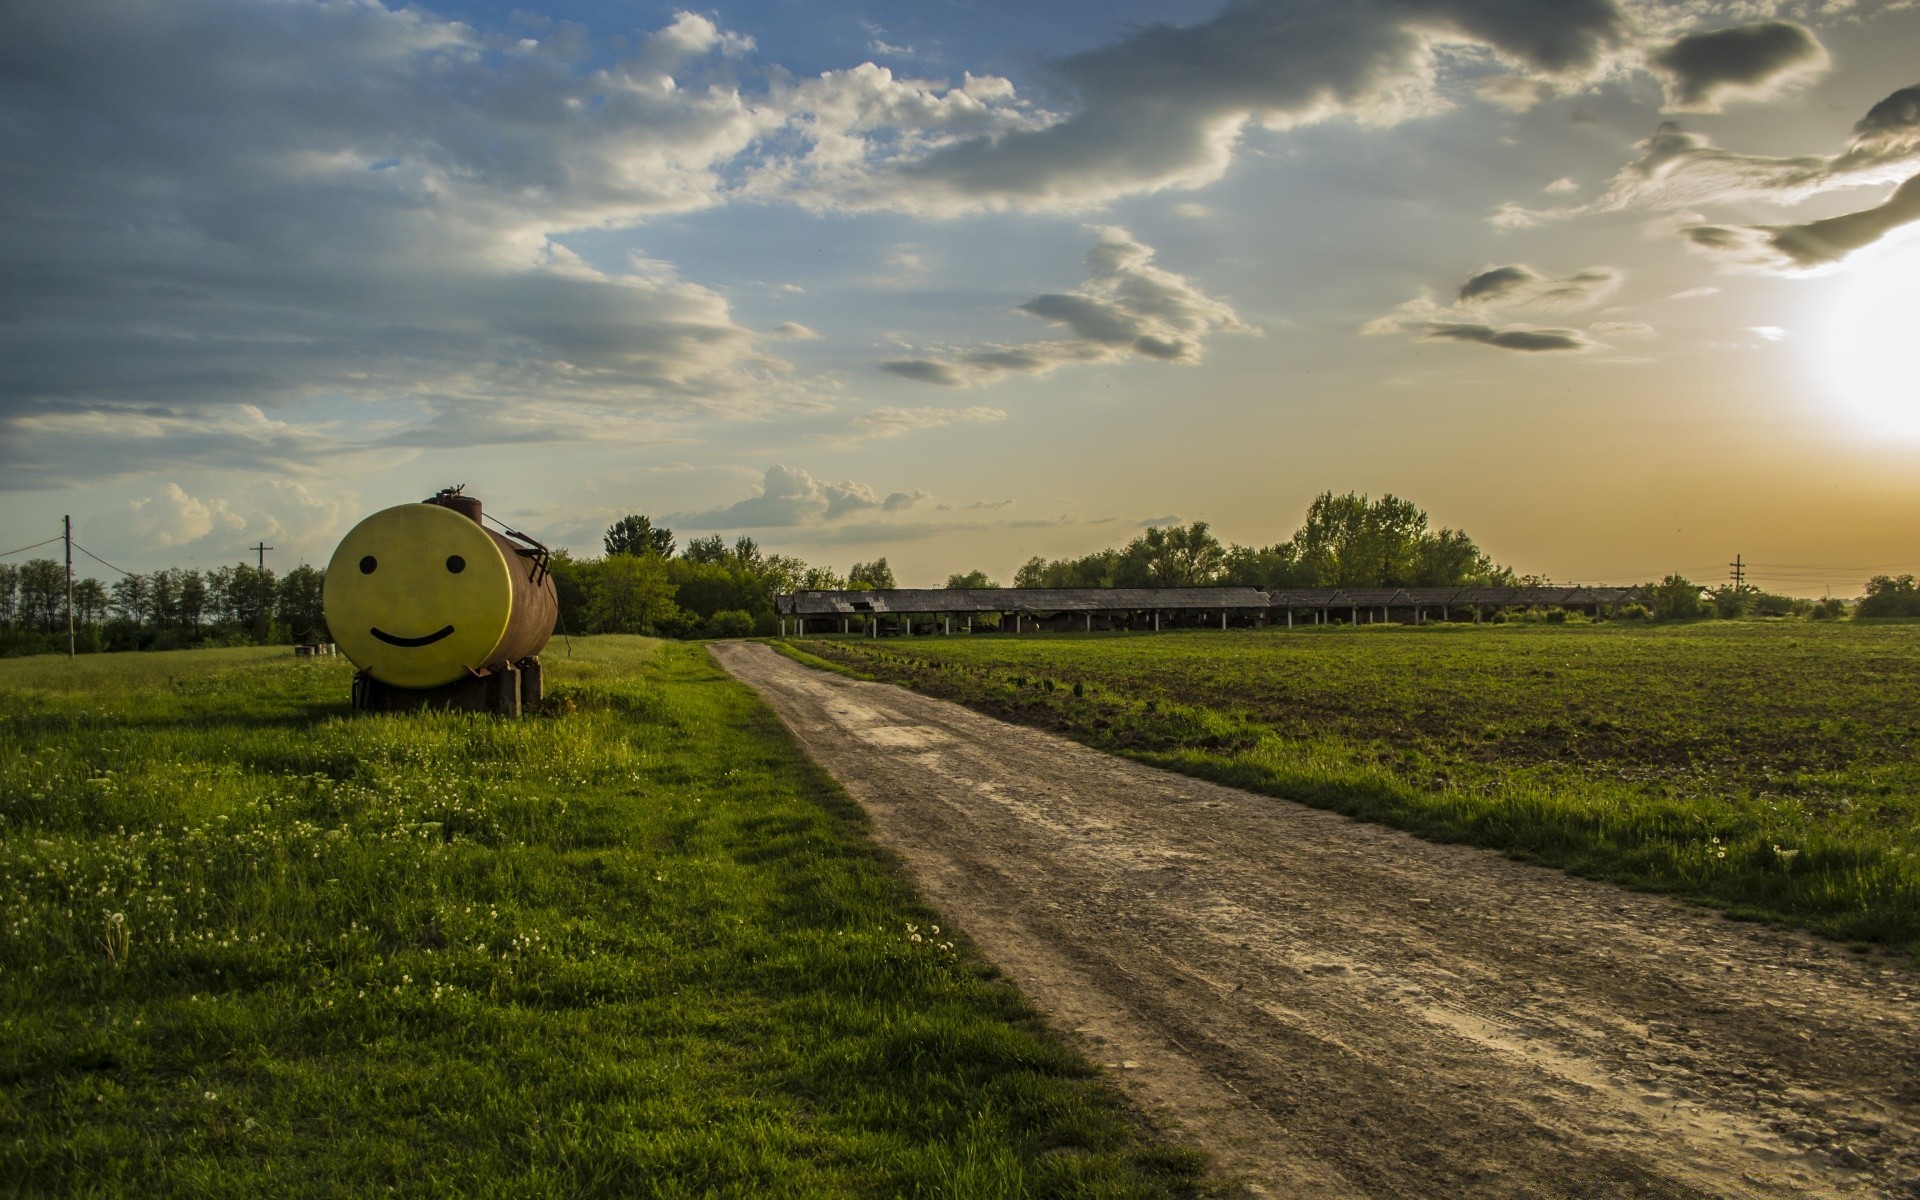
423, 595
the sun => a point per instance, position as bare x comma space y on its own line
1871, 351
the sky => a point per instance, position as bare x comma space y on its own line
1619, 288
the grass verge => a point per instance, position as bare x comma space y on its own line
1768, 768
634, 946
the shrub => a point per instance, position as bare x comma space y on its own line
731, 622
1830, 609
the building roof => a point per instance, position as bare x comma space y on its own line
924, 601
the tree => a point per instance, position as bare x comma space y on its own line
130, 599
1171, 556
1890, 596
89, 601
299, 605
821, 579
43, 593
876, 575
972, 579
708, 551
1676, 598
9, 596
631, 594
635, 534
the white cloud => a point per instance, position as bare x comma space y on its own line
1127, 309
171, 518
892, 421
788, 497
1678, 170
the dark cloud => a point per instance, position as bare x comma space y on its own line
1703, 68
925, 370
1518, 284
1514, 337
1473, 317
1815, 243
1495, 283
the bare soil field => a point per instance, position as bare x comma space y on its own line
1336, 1009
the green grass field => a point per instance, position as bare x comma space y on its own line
634, 946
1769, 767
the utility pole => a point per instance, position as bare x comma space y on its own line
1739, 573
66, 524
261, 549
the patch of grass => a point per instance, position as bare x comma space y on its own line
1771, 768
789, 650
637, 945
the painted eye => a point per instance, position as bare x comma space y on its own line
456, 564
367, 565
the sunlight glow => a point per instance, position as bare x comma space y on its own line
1871, 351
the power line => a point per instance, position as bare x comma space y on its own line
103, 562
22, 550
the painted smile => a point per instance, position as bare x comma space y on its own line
428, 640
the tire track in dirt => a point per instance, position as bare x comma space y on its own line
1340, 1010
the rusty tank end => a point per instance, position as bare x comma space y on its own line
536, 605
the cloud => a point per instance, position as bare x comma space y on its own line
1622, 329
211, 204
1524, 338
1127, 309
1814, 243
891, 421
789, 497
794, 331
172, 518
1519, 284
1473, 315
1165, 106
1678, 170
1701, 70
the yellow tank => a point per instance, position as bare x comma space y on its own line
423, 595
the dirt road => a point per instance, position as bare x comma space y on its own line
1339, 1010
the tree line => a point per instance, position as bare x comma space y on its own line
168, 609
645, 582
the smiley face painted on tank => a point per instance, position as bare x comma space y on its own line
418, 595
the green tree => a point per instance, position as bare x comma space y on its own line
299, 606
43, 594
631, 594
9, 596
89, 601
1676, 598
876, 575
1890, 596
707, 551
635, 534
972, 579
1171, 556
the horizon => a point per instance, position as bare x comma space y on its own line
1618, 289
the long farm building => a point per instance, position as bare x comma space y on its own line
1018, 610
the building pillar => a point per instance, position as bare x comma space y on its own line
1223, 618
1156, 620
1289, 618
946, 626
969, 622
